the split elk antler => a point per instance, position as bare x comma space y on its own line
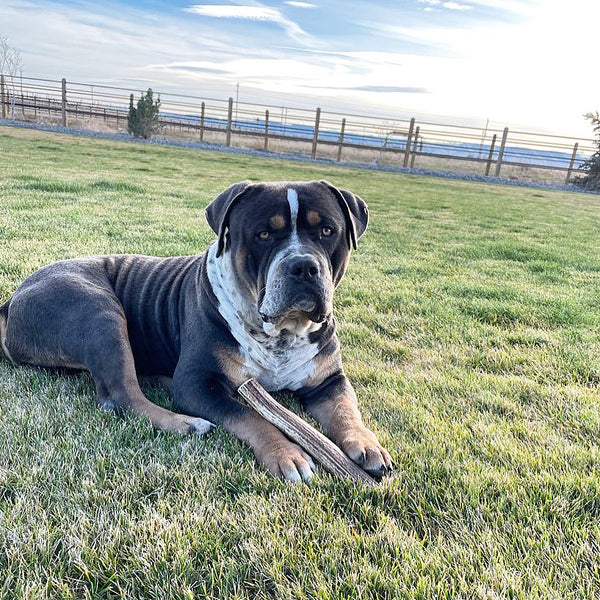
312, 441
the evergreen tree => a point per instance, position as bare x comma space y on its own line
591, 167
142, 120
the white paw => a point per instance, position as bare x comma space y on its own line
289, 462
198, 425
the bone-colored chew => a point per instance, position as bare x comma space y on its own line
312, 441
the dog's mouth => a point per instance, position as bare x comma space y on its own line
304, 316
315, 315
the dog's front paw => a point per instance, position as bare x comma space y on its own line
365, 450
287, 461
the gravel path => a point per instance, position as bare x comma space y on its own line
158, 141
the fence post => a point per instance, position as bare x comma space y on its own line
408, 141
202, 111
501, 151
229, 122
63, 102
414, 148
266, 130
2, 96
130, 107
488, 166
339, 153
313, 154
572, 162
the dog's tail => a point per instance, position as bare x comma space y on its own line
3, 327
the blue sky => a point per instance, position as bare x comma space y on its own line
518, 63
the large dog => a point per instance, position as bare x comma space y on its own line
257, 304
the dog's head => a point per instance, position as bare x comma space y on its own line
288, 245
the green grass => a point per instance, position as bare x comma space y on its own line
470, 325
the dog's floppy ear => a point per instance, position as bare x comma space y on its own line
218, 211
355, 212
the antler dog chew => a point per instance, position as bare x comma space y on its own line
312, 441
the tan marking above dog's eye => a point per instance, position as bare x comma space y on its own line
277, 222
326, 231
264, 235
313, 217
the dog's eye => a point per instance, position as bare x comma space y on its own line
326, 231
264, 235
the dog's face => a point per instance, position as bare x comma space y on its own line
289, 245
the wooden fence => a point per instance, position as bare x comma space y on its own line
340, 137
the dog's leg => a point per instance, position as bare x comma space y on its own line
282, 457
103, 397
213, 399
117, 384
91, 334
333, 404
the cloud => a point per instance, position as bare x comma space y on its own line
449, 5
300, 4
252, 13
256, 13
456, 6
188, 68
514, 6
390, 89
262, 72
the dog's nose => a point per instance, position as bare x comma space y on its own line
304, 268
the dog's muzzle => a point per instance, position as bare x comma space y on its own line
297, 286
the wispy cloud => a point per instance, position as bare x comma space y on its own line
514, 6
456, 6
252, 13
390, 89
300, 4
226, 11
438, 4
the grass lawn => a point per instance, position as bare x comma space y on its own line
470, 326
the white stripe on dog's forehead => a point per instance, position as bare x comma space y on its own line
292, 198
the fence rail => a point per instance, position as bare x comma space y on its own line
340, 136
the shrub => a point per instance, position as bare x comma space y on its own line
142, 120
591, 167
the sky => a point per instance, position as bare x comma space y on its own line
529, 64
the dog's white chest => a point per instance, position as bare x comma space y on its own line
276, 362
277, 369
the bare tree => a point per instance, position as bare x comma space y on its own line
11, 66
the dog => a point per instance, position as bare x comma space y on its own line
258, 303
